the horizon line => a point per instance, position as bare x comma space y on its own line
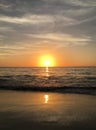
45, 66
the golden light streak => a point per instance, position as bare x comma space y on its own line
46, 98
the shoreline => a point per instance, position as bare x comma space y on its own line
73, 90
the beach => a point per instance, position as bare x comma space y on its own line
46, 110
48, 64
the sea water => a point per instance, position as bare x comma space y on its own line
53, 77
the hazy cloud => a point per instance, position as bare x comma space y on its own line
38, 22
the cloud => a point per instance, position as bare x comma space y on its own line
84, 3
35, 23
60, 38
29, 19
4, 6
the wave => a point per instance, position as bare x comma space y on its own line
48, 81
78, 90
66, 80
49, 84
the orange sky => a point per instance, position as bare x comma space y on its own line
74, 56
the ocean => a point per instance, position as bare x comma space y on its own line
49, 79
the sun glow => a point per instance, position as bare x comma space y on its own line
47, 61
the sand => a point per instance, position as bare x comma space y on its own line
33, 111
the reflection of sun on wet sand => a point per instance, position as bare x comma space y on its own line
46, 97
33, 111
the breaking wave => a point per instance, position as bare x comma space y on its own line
77, 80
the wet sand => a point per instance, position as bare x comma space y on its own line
45, 110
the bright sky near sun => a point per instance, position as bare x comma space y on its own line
47, 33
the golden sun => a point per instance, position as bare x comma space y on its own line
47, 61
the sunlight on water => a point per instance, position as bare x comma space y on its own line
47, 69
47, 72
48, 77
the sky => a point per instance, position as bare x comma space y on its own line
64, 30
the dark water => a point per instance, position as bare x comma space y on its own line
21, 78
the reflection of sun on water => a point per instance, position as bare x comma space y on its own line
47, 74
47, 69
46, 97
